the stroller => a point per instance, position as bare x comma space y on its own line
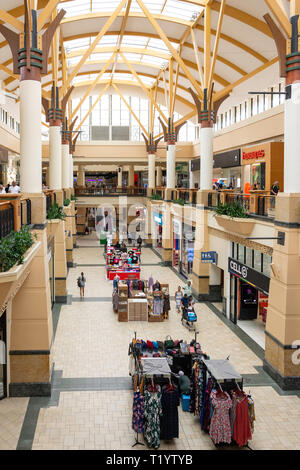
188, 319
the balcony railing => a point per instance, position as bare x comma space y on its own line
25, 212
110, 191
257, 203
7, 218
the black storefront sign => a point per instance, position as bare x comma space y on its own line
228, 159
257, 279
195, 164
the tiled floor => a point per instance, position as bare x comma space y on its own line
90, 343
255, 329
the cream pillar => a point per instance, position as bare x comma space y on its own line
292, 141
151, 171
55, 157
171, 169
71, 171
159, 176
65, 166
206, 156
192, 179
131, 176
120, 175
30, 136
80, 176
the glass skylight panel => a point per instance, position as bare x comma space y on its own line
79, 7
185, 11
153, 60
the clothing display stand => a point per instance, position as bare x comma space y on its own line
137, 442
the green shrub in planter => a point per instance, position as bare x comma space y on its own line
13, 248
231, 210
73, 198
156, 197
180, 201
56, 212
67, 202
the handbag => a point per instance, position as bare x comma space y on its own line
169, 343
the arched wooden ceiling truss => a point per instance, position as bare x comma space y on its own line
202, 44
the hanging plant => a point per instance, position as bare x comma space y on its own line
56, 212
13, 247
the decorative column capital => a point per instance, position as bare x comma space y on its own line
171, 132
207, 109
30, 50
151, 144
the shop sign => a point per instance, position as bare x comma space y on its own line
229, 159
253, 155
253, 277
209, 257
157, 218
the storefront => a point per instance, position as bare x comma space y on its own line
262, 166
227, 168
183, 247
157, 235
249, 289
177, 235
187, 250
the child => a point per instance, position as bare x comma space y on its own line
178, 297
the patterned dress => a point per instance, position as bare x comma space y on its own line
138, 412
220, 429
152, 413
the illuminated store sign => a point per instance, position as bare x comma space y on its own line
253, 155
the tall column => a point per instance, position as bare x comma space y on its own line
65, 165
159, 176
55, 155
192, 179
30, 130
81, 176
283, 315
151, 170
131, 176
71, 171
120, 175
171, 165
206, 155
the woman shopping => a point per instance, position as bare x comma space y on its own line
178, 297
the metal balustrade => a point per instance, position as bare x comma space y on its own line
7, 220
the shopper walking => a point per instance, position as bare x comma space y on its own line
81, 284
187, 289
178, 297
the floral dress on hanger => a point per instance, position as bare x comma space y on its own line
152, 413
220, 429
138, 413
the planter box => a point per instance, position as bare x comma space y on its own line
239, 226
16, 271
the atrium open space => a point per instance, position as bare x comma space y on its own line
150, 227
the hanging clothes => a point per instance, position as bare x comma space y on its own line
152, 413
166, 304
169, 425
220, 430
251, 412
242, 426
138, 412
157, 305
150, 283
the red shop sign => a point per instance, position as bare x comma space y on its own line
253, 155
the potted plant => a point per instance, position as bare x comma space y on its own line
56, 212
67, 202
180, 201
234, 218
13, 247
156, 197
